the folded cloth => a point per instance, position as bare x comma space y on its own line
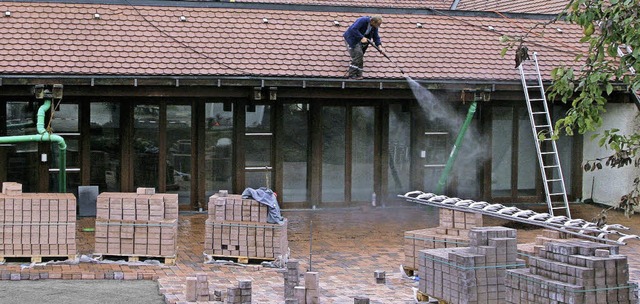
266, 197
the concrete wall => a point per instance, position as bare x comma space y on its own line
610, 184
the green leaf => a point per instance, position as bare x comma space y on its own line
504, 51
609, 89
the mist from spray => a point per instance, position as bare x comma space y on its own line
448, 119
435, 110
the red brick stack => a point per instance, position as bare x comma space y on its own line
238, 227
453, 231
36, 224
137, 224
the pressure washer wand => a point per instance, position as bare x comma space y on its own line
386, 56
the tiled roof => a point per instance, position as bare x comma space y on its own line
435, 4
66, 39
514, 6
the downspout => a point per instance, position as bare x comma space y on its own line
454, 151
44, 136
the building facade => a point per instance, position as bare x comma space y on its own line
197, 97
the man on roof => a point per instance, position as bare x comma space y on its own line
357, 38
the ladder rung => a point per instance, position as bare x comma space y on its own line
550, 194
535, 87
546, 153
557, 208
538, 113
536, 99
553, 180
542, 126
552, 166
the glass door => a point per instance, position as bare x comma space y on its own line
514, 165
66, 123
348, 154
20, 161
294, 145
178, 151
258, 141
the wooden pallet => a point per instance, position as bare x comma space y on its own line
409, 271
422, 297
166, 260
35, 258
241, 259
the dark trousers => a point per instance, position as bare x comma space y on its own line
357, 59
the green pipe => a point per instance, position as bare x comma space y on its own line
454, 152
44, 136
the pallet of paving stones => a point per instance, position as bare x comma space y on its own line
36, 225
473, 274
166, 260
572, 271
453, 231
255, 240
140, 224
238, 228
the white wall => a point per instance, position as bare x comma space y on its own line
610, 184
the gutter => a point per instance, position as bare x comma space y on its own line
44, 136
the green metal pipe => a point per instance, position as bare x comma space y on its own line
454, 151
44, 136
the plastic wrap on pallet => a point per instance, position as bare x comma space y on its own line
36, 224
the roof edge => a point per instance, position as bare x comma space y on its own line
248, 81
300, 7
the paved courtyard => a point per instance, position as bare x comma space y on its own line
347, 247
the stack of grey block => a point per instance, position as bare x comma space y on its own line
572, 271
474, 274
307, 294
240, 294
291, 278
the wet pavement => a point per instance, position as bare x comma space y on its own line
347, 247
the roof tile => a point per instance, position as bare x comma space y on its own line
224, 41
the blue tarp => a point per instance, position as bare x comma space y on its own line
266, 197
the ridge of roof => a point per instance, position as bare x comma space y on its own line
302, 7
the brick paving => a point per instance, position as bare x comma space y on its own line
349, 245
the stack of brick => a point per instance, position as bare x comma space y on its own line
291, 278
197, 288
453, 231
240, 294
526, 250
312, 287
137, 224
307, 294
472, 274
238, 227
572, 271
36, 224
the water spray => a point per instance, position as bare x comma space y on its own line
386, 56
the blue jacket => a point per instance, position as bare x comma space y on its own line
356, 31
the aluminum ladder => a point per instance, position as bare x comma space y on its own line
547, 151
